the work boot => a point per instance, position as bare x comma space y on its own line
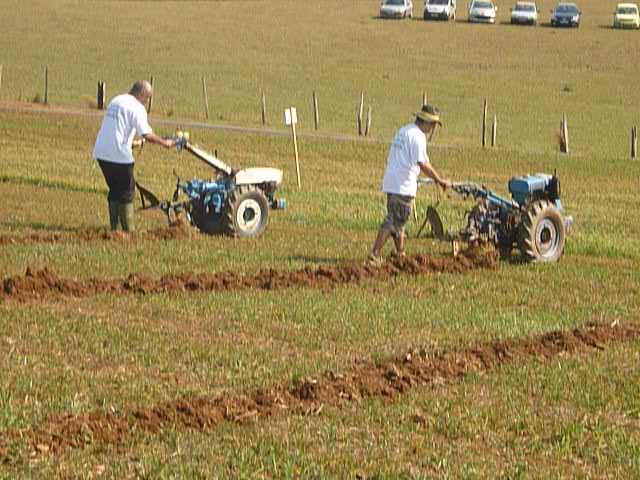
126, 216
114, 215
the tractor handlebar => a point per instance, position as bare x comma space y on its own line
180, 139
425, 181
467, 189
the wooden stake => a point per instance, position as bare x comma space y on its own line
564, 135
150, 104
360, 108
46, 85
102, 95
368, 127
634, 143
315, 110
424, 98
263, 108
561, 136
206, 98
494, 130
484, 124
295, 150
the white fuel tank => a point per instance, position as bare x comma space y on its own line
252, 176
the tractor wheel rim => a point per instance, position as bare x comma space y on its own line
248, 215
547, 238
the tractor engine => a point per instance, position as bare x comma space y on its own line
531, 188
210, 195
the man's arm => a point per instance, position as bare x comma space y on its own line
430, 172
153, 138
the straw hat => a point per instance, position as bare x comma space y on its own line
429, 114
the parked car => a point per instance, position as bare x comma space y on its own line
482, 11
566, 14
396, 9
440, 9
524, 13
626, 16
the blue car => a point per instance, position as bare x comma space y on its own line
566, 15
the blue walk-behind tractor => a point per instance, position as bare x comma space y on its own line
234, 202
532, 220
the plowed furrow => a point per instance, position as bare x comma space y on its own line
176, 231
365, 380
45, 284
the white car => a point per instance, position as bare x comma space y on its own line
396, 9
440, 9
626, 16
524, 13
482, 11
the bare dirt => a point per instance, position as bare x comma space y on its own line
44, 284
387, 379
176, 231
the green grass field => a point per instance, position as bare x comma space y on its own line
572, 416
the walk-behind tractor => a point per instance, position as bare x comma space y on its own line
532, 220
234, 203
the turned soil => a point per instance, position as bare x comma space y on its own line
387, 379
44, 284
177, 231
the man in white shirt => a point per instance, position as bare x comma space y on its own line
125, 118
407, 158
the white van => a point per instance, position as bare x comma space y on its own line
439, 9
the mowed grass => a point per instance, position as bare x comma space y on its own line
573, 417
288, 49
75, 356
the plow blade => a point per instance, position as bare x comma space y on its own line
435, 222
148, 199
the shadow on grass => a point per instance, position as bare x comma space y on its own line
378, 17
435, 20
464, 21
508, 22
53, 184
514, 259
611, 27
312, 259
47, 227
558, 27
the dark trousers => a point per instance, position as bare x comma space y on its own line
119, 177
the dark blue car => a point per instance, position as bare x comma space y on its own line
566, 15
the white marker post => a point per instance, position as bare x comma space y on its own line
291, 118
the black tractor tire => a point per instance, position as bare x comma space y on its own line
246, 213
542, 235
209, 222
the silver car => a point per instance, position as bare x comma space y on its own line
439, 9
396, 9
482, 11
524, 13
